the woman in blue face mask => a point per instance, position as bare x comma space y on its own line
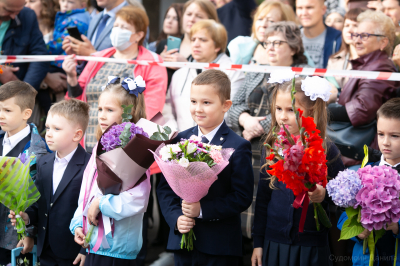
127, 37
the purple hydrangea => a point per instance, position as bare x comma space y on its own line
110, 140
344, 188
379, 197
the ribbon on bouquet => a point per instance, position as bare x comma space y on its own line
297, 204
104, 228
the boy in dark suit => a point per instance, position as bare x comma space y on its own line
17, 100
59, 180
216, 218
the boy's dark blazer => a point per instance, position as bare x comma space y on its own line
52, 214
219, 231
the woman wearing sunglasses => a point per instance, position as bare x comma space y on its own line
361, 98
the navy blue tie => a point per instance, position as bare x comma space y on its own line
204, 140
102, 25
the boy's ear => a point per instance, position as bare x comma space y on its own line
227, 104
26, 114
78, 135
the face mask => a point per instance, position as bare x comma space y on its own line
120, 38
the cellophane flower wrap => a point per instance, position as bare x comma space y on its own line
371, 198
190, 168
301, 163
17, 189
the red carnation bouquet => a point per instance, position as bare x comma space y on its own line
301, 163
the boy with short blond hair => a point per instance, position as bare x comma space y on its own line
17, 100
58, 181
216, 218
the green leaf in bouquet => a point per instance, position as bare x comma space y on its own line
167, 130
127, 113
156, 136
125, 135
350, 231
323, 217
350, 211
164, 136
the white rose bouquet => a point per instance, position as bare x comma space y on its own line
190, 168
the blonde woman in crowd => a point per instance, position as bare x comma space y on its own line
208, 43
244, 49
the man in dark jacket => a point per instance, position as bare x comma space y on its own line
21, 36
319, 40
236, 17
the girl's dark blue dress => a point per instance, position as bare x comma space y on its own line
276, 222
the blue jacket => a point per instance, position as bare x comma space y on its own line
219, 231
384, 248
277, 220
77, 17
23, 37
333, 42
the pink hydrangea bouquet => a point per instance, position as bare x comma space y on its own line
371, 198
190, 168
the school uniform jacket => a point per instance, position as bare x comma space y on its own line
218, 232
53, 213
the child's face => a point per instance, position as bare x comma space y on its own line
109, 111
389, 139
68, 5
206, 107
62, 134
12, 119
284, 112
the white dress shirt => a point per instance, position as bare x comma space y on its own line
10, 142
111, 13
209, 136
383, 162
60, 164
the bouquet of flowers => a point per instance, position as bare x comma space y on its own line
371, 198
190, 168
17, 190
301, 163
123, 158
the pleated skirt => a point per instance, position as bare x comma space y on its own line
277, 254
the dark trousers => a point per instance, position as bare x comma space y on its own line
197, 258
48, 258
5, 257
99, 260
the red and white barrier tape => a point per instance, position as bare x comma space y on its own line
394, 76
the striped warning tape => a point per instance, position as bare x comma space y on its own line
394, 76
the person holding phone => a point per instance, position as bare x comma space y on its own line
72, 18
171, 25
193, 11
127, 37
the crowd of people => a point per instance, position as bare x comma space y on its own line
73, 102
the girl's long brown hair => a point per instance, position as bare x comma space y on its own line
316, 109
124, 98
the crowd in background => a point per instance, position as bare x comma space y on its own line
337, 35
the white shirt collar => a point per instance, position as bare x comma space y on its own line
15, 139
114, 11
383, 162
210, 135
67, 158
